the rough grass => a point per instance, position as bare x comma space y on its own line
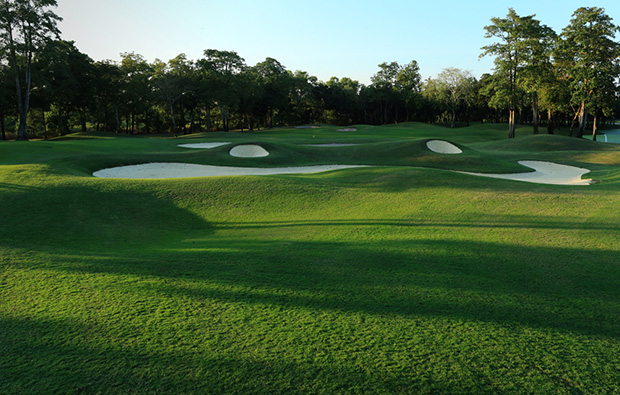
377, 280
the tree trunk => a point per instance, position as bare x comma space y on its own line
511, 124
550, 122
453, 118
191, 122
82, 119
44, 124
147, 121
385, 114
2, 128
174, 124
105, 118
118, 120
572, 123
62, 121
22, 134
208, 118
183, 118
23, 99
583, 117
594, 128
535, 112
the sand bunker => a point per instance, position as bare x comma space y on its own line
249, 151
329, 145
306, 127
183, 170
443, 147
347, 130
545, 173
203, 145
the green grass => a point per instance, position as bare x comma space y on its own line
402, 278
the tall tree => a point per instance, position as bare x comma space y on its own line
108, 84
454, 88
517, 50
275, 82
537, 67
302, 103
175, 82
221, 69
550, 95
589, 57
409, 83
383, 83
137, 93
6, 98
340, 100
25, 25
66, 77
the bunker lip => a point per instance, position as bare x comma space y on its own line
328, 145
443, 147
204, 145
187, 170
545, 173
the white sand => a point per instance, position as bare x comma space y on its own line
329, 145
306, 127
347, 130
183, 170
443, 147
203, 145
545, 173
248, 151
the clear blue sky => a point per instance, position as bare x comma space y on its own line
342, 38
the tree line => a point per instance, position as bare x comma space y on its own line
48, 87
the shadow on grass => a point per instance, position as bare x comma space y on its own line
89, 217
15, 187
412, 277
65, 356
564, 289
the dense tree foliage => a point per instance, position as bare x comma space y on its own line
589, 60
454, 88
48, 86
521, 57
25, 27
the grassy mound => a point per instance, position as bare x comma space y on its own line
545, 143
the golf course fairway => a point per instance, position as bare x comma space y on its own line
402, 276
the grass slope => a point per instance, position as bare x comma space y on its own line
375, 280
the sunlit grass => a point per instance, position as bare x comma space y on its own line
378, 280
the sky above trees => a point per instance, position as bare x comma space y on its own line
345, 38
